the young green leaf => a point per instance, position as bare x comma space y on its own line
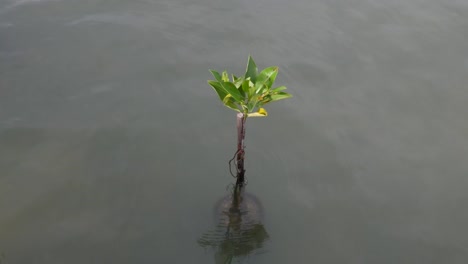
216, 75
278, 89
265, 100
260, 88
252, 104
237, 81
267, 77
279, 96
238, 84
225, 76
252, 70
269, 82
245, 86
230, 88
219, 89
251, 89
229, 102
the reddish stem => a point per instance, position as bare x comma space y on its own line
240, 148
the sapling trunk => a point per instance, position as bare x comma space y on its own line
241, 118
247, 94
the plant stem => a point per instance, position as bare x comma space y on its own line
241, 118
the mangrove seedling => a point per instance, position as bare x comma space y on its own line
247, 95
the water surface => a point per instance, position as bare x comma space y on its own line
113, 149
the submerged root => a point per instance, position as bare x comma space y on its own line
240, 171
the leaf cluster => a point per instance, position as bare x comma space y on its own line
248, 94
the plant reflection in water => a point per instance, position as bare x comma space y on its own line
240, 232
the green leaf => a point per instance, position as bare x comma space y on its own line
279, 96
251, 89
223, 89
260, 88
225, 76
216, 75
266, 99
278, 89
267, 77
238, 83
245, 86
230, 88
269, 82
228, 101
252, 70
219, 89
252, 103
244, 108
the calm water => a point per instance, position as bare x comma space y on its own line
113, 149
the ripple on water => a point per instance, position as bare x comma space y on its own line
239, 231
18, 3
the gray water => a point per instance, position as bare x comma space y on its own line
113, 148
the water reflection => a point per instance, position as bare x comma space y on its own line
240, 231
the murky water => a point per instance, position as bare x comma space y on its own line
113, 149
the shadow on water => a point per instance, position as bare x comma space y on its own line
239, 232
